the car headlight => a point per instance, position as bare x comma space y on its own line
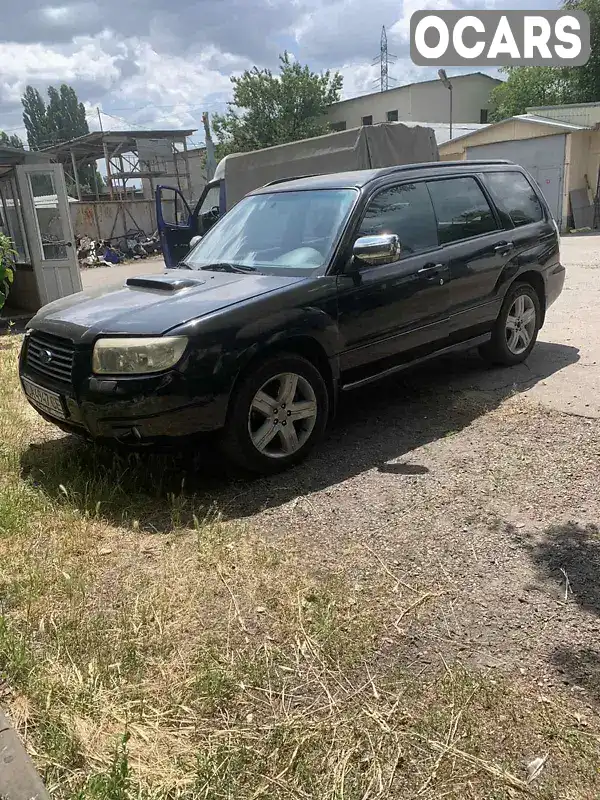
139, 356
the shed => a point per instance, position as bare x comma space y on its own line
34, 212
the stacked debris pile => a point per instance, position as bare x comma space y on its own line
106, 252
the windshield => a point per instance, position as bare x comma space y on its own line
289, 230
211, 200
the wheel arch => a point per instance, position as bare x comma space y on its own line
303, 345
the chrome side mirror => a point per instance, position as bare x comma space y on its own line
194, 241
373, 250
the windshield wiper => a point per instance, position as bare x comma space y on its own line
226, 266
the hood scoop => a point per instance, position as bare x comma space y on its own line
164, 283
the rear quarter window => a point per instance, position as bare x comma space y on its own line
515, 194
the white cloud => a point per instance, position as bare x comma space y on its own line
164, 65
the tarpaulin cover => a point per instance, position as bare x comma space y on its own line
384, 145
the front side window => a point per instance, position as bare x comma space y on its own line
515, 194
282, 230
461, 208
405, 210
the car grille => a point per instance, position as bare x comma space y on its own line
51, 356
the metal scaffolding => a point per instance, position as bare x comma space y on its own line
148, 156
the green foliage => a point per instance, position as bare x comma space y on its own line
35, 119
272, 109
530, 86
7, 254
547, 86
11, 141
586, 79
61, 119
65, 114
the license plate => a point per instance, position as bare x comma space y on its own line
47, 401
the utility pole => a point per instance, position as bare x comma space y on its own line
211, 162
100, 119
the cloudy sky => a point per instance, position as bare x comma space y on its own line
160, 63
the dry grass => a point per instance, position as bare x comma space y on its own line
202, 661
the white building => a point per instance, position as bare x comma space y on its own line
427, 100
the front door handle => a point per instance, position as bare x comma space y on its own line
428, 268
504, 247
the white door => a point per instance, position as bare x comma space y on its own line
49, 230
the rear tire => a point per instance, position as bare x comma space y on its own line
277, 415
515, 331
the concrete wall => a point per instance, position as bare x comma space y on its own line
584, 159
420, 102
197, 177
106, 219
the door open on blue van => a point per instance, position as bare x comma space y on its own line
178, 224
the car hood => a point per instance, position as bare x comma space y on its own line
152, 304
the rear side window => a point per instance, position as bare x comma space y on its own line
405, 210
516, 195
461, 208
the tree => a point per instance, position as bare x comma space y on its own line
530, 86
61, 120
11, 141
586, 79
548, 86
35, 119
272, 109
65, 114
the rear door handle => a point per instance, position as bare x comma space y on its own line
504, 247
429, 268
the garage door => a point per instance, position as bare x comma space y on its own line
543, 157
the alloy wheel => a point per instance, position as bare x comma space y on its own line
282, 415
520, 324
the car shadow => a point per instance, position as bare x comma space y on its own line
567, 559
376, 428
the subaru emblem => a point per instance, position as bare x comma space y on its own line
46, 356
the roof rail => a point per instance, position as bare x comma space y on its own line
291, 178
420, 165
463, 163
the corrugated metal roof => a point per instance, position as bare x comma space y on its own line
442, 129
548, 121
534, 120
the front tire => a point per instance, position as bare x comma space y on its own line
516, 329
277, 415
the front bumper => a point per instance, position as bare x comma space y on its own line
141, 412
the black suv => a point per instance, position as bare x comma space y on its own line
306, 288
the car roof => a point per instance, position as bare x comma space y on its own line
357, 179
